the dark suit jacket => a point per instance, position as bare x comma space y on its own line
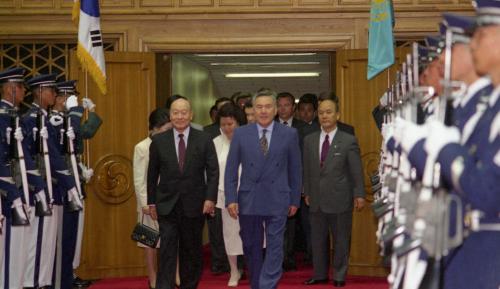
300, 126
189, 186
314, 127
212, 129
268, 184
332, 188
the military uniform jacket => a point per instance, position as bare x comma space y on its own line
59, 169
35, 181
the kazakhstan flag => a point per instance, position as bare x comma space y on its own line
380, 38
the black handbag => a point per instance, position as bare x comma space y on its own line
145, 234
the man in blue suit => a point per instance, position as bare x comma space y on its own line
269, 188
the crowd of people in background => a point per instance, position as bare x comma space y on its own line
242, 230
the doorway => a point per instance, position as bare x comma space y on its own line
204, 77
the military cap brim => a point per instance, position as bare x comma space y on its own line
15, 74
42, 80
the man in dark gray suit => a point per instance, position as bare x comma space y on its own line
333, 185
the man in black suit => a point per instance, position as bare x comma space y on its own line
181, 158
286, 108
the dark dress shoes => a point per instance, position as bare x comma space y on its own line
338, 283
80, 283
313, 281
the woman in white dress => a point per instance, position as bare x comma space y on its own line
230, 117
158, 122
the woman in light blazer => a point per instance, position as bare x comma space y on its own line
230, 117
159, 121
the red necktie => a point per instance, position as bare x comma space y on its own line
182, 152
324, 150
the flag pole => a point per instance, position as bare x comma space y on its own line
86, 141
388, 77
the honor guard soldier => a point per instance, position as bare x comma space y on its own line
62, 124
13, 252
462, 70
66, 117
27, 178
465, 102
88, 128
472, 166
40, 139
470, 159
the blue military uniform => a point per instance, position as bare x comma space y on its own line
7, 141
61, 120
18, 240
472, 169
43, 251
474, 172
12, 254
59, 168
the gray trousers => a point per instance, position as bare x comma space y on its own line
340, 226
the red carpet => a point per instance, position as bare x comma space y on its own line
290, 280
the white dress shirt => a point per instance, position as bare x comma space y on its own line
322, 136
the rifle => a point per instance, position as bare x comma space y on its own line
18, 153
44, 150
74, 164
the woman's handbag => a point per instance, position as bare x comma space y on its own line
145, 234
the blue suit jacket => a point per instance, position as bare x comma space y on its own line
268, 184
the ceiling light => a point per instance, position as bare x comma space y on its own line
273, 74
263, 63
255, 54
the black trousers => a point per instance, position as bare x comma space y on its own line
183, 236
216, 238
289, 241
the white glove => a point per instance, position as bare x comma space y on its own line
8, 130
71, 102
87, 173
71, 133
439, 136
383, 100
387, 132
44, 133
56, 120
35, 130
18, 134
411, 135
88, 103
399, 128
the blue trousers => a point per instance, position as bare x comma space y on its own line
265, 272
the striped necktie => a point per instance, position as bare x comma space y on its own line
263, 142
